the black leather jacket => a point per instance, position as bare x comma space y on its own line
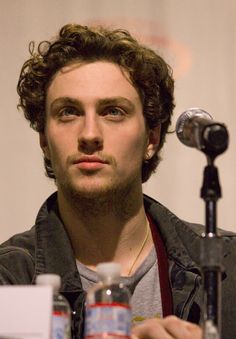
46, 248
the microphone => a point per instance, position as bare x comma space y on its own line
196, 128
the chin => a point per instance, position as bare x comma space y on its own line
90, 190
99, 188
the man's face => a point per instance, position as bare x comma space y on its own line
95, 135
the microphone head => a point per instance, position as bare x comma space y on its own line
196, 128
183, 120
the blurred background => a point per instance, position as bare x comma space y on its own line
197, 38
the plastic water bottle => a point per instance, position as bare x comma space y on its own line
61, 317
108, 312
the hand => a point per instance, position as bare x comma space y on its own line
170, 327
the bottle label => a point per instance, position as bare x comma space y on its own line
60, 325
110, 319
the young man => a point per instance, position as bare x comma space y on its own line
102, 104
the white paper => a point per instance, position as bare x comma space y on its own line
25, 312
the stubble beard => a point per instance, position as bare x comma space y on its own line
115, 196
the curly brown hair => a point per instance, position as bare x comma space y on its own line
149, 73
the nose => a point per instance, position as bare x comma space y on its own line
90, 137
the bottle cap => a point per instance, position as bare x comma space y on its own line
109, 270
53, 280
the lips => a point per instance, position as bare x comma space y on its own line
90, 162
91, 158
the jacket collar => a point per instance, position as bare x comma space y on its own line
176, 234
184, 271
54, 253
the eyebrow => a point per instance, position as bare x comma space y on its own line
116, 101
64, 101
101, 102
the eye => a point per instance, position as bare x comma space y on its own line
68, 110
67, 113
114, 113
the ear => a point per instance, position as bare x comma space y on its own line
44, 145
153, 141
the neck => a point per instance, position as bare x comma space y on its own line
107, 229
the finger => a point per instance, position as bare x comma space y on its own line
181, 329
151, 329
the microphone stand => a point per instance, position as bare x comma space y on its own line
213, 141
194, 129
211, 254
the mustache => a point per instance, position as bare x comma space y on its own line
106, 158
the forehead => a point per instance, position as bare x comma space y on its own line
92, 80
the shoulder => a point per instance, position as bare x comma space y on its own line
180, 233
18, 254
159, 211
17, 258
